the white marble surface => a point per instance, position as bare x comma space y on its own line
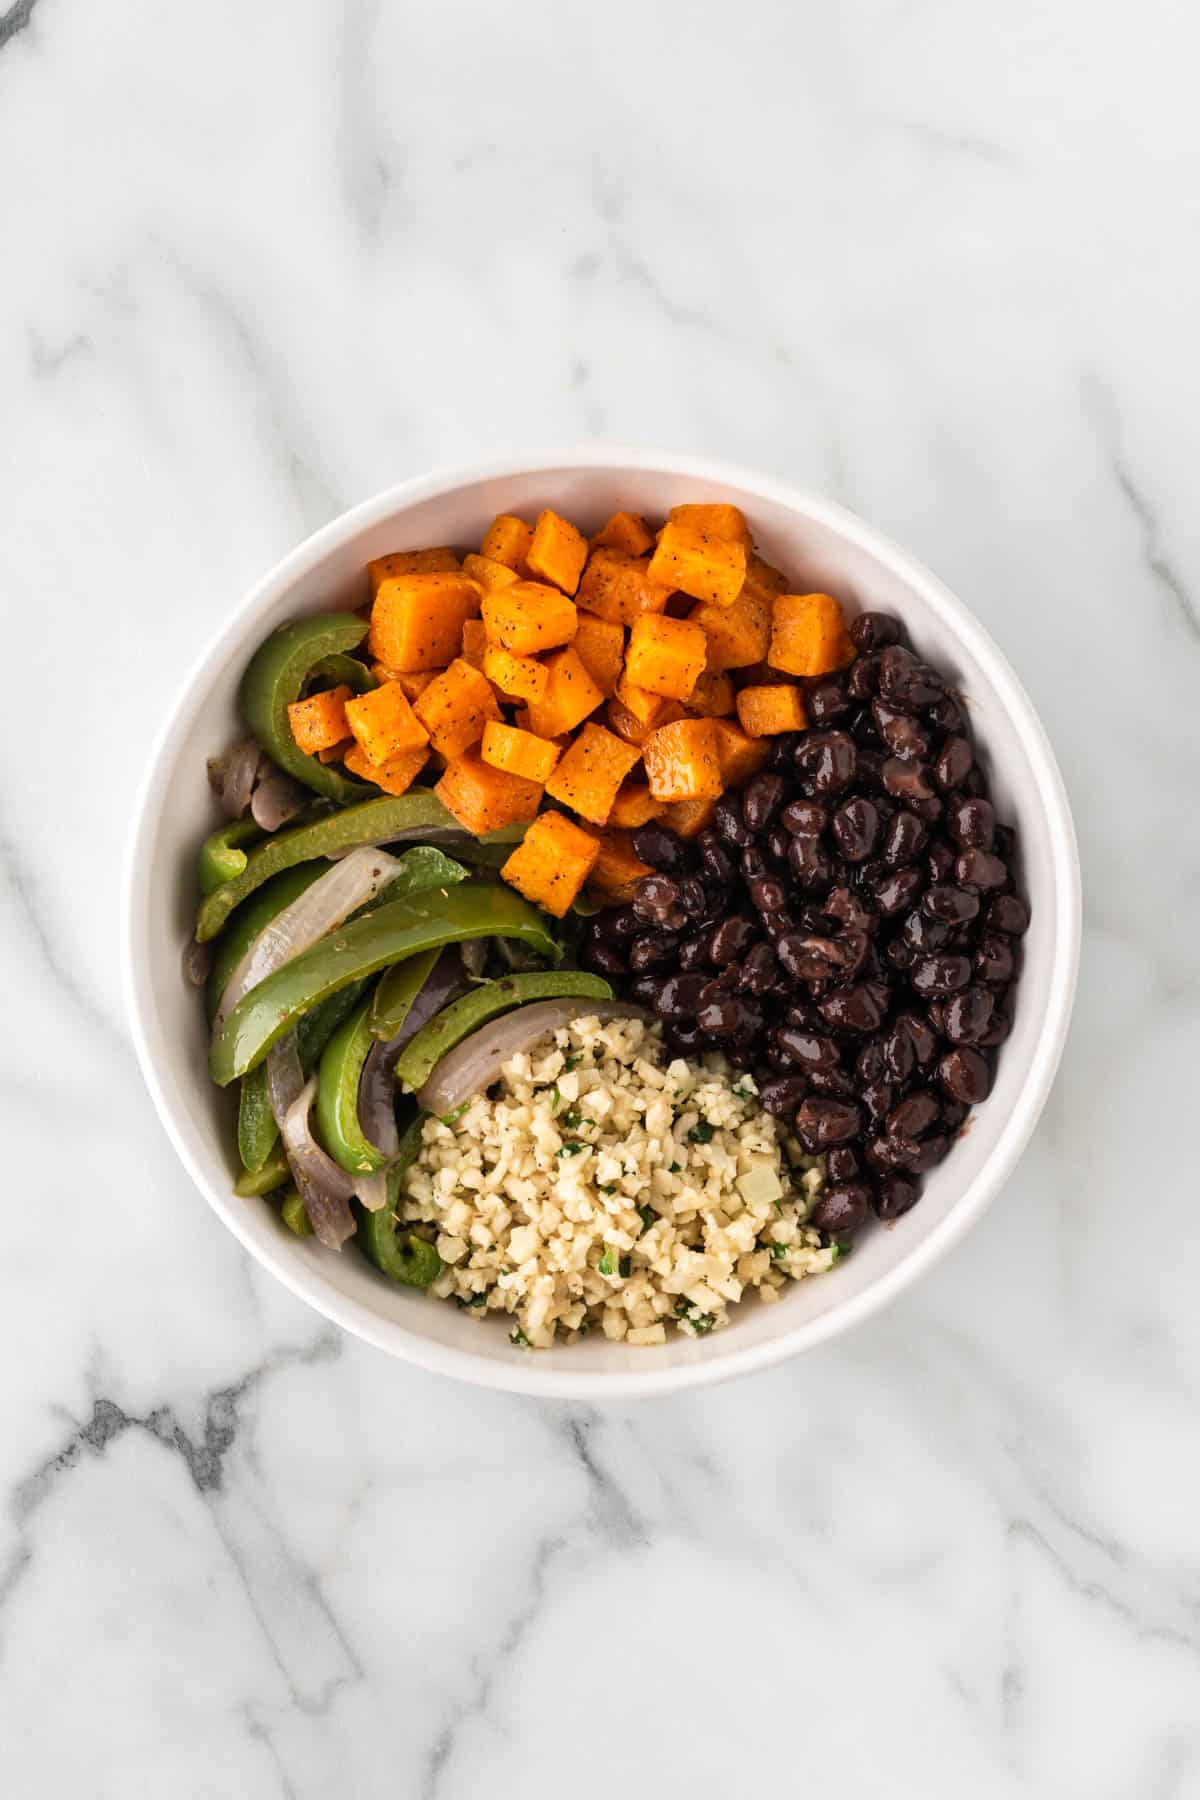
259, 261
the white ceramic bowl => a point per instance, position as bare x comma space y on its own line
822, 547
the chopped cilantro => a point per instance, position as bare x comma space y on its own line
450, 1117
608, 1262
476, 1300
743, 1090
839, 1248
517, 1336
675, 1169
702, 1132
573, 1149
606, 1187
625, 1266
779, 1251
681, 1307
556, 1102
573, 1061
572, 1119
701, 1322
648, 1216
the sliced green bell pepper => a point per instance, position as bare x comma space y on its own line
241, 932
317, 1027
338, 1124
223, 853
294, 1214
421, 1056
342, 671
271, 1174
373, 941
395, 992
257, 1131
417, 1263
275, 677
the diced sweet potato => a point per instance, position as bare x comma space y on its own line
600, 647
712, 695
665, 655
484, 799
320, 721
529, 617
518, 677
417, 620
765, 711
384, 723
552, 862
618, 588
617, 871
570, 696
647, 708
688, 818
737, 634
719, 520
681, 761
474, 642
762, 579
410, 562
395, 776
808, 634
738, 754
455, 708
520, 752
626, 531
635, 805
591, 771
414, 684
704, 565
558, 551
489, 573
335, 752
506, 540
627, 725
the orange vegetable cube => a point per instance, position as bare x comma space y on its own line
384, 723
739, 755
712, 694
720, 520
646, 707
506, 540
627, 725
600, 647
764, 711
489, 573
413, 684
634, 805
665, 655
483, 798
681, 761
455, 708
417, 620
762, 579
737, 634
528, 617
618, 588
474, 642
688, 818
320, 721
518, 677
335, 752
705, 566
395, 776
617, 871
626, 531
591, 771
808, 634
558, 551
552, 862
410, 562
520, 752
570, 696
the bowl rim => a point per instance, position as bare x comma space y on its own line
523, 1375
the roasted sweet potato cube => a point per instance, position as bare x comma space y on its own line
665, 655
570, 696
488, 572
506, 540
520, 752
681, 761
417, 620
320, 721
627, 725
649, 709
618, 588
557, 552
738, 754
634, 805
688, 818
626, 531
335, 752
704, 565
529, 617
384, 723
395, 776
518, 677
591, 771
762, 579
474, 642
552, 862
455, 708
484, 799
600, 647
766, 711
718, 520
617, 870
414, 684
808, 634
410, 562
736, 634
712, 695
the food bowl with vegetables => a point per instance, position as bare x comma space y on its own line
601, 925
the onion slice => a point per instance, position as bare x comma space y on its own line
277, 799
285, 1077
377, 1087
473, 1065
197, 961
232, 777
325, 1189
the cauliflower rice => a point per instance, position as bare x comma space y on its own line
600, 1188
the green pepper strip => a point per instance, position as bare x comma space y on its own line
242, 931
257, 1130
418, 1264
342, 671
275, 677
379, 821
338, 1124
222, 855
367, 944
395, 992
317, 1027
294, 1214
271, 1174
419, 1058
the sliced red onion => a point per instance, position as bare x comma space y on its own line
325, 1189
233, 775
376, 1086
319, 910
197, 961
473, 1065
285, 1077
372, 1191
276, 799
474, 955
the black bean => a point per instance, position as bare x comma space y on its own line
841, 1164
618, 924
944, 974
952, 905
810, 864
915, 1115
972, 824
981, 870
897, 891
803, 1015
906, 683
994, 959
948, 714
840, 1210
859, 1008
874, 630
719, 1018
953, 763
654, 951
863, 678
895, 1195
762, 797
713, 858
928, 811
753, 863
923, 934
908, 781
821, 1122
604, 959
968, 1015
782, 753
900, 733
783, 1095
808, 958
828, 759
804, 818
953, 1113
855, 828
693, 900
654, 897
826, 700
1007, 913
693, 953
759, 971
684, 1039
732, 938
903, 841
997, 1031
868, 777
966, 1075
888, 1153
878, 1097
833, 1081
729, 822
679, 997
869, 1063
645, 989
807, 1049
844, 907
661, 848
940, 860
779, 842
929, 1153
767, 893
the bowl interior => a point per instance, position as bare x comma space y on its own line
819, 547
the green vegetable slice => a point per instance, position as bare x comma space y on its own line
241, 931
418, 1059
395, 992
257, 1131
338, 1125
294, 1214
415, 1263
341, 671
271, 1174
276, 676
222, 855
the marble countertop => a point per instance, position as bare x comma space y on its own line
939, 262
